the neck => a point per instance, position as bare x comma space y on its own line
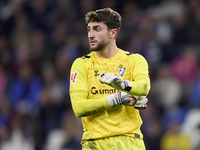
108, 52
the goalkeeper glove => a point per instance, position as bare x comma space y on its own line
115, 81
141, 102
121, 98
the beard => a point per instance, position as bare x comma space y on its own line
100, 46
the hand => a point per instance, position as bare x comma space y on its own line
115, 81
121, 98
141, 102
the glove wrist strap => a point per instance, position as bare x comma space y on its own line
128, 85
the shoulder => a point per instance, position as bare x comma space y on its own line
128, 55
133, 57
83, 60
87, 57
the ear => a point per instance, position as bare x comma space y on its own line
113, 33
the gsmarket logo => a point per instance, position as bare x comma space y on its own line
94, 91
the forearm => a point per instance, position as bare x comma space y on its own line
83, 107
141, 86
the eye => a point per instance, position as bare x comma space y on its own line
98, 29
88, 29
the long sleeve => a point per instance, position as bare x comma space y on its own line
141, 80
140, 86
84, 107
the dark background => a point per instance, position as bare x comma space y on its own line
39, 40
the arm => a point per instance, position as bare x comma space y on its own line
84, 107
140, 85
141, 81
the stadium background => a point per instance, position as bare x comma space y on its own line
39, 40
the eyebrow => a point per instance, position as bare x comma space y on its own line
94, 27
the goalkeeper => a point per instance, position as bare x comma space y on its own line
108, 87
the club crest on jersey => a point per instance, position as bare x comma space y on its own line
73, 78
121, 69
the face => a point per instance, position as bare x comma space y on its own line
98, 35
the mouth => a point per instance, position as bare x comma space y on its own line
92, 42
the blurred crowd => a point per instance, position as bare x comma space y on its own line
39, 40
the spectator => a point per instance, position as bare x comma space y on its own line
191, 126
174, 139
24, 90
17, 139
169, 90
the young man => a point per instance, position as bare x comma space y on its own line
102, 85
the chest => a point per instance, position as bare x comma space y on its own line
121, 68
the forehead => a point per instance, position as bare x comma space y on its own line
95, 24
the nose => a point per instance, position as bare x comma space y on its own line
90, 34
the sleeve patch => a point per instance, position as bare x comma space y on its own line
73, 78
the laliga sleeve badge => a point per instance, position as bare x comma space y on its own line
73, 78
121, 70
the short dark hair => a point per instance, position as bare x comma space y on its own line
108, 16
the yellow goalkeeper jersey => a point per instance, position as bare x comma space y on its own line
87, 93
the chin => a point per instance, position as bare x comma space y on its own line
99, 47
94, 49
